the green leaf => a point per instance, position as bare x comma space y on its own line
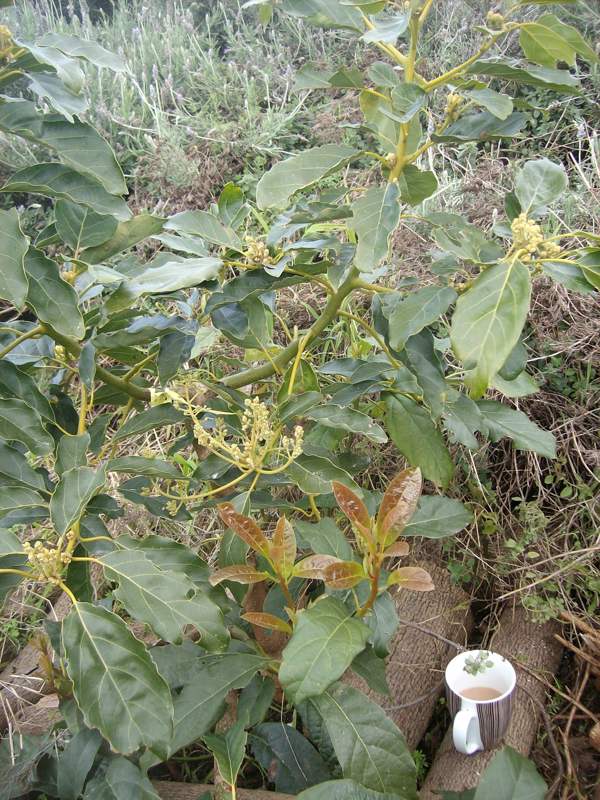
13, 498
51, 89
569, 275
115, 682
559, 80
539, 183
413, 432
387, 29
127, 235
64, 183
83, 48
371, 669
76, 143
168, 554
500, 105
343, 790
488, 321
229, 750
148, 420
571, 35
347, 419
375, 217
174, 350
325, 13
370, 748
172, 276
544, 46
502, 421
54, 301
9, 544
282, 749
323, 537
150, 467
325, 641
300, 172
122, 780
165, 600
17, 384
437, 517
418, 310
74, 491
314, 474
510, 776
416, 185
15, 470
521, 386
590, 266
482, 126
20, 423
71, 452
75, 762
201, 701
407, 100
13, 246
80, 227
205, 225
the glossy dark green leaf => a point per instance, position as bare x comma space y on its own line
121, 779
314, 474
71, 452
21, 423
81, 227
488, 321
51, 89
569, 275
418, 310
503, 421
343, 790
255, 700
115, 682
127, 235
482, 126
75, 762
437, 517
206, 226
74, 491
87, 364
413, 432
174, 350
558, 80
571, 35
371, 669
325, 641
544, 46
168, 554
90, 51
323, 537
149, 467
539, 183
15, 469
284, 751
54, 300
229, 750
148, 420
387, 29
301, 171
201, 701
500, 105
13, 246
510, 776
18, 384
348, 419
416, 185
375, 217
462, 420
368, 745
324, 13
64, 183
18, 497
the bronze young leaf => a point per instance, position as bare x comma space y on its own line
399, 504
268, 621
353, 507
245, 528
283, 547
414, 578
240, 573
344, 575
397, 550
314, 566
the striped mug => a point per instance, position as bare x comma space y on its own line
480, 686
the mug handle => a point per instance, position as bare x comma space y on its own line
465, 732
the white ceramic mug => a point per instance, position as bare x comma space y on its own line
479, 724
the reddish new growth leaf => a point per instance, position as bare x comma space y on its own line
313, 567
397, 550
353, 507
268, 621
399, 504
240, 573
415, 578
344, 575
245, 528
283, 548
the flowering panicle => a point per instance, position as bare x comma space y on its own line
47, 561
529, 240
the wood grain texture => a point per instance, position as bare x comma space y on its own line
533, 651
416, 663
192, 791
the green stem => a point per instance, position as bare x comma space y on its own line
137, 392
37, 331
288, 353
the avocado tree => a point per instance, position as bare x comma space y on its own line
100, 346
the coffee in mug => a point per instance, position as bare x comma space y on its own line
480, 687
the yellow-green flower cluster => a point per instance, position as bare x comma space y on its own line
6, 43
453, 104
257, 252
529, 240
47, 562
